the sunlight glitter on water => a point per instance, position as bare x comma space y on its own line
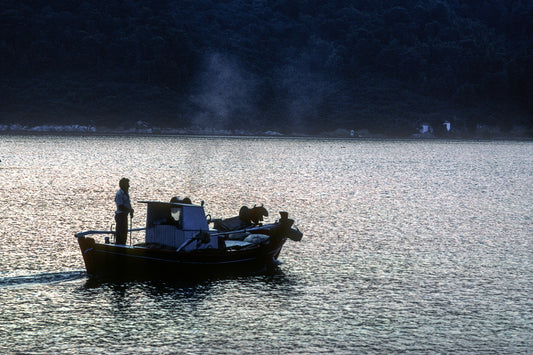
408, 246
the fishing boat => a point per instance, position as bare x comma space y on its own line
182, 242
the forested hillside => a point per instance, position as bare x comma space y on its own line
302, 66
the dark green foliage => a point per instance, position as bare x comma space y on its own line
289, 65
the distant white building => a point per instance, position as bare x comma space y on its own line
425, 128
447, 126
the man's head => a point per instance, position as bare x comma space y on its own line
124, 184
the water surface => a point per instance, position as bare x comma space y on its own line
415, 246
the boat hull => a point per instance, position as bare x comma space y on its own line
122, 261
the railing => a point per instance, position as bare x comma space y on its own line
93, 232
244, 230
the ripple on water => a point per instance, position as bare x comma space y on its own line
408, 246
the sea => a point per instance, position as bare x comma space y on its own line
410, 246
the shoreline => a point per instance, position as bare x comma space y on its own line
261, 135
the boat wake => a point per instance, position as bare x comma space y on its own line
42, 278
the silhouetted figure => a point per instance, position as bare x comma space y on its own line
122, 199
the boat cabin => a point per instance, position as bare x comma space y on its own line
178, 225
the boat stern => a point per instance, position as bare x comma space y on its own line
87, 246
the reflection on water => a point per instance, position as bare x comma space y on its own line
408, 246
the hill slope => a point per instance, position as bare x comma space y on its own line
287, 65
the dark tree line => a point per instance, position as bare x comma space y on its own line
304, 65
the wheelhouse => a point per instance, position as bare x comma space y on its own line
175, 224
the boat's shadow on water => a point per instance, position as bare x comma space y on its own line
180, 293
274, 275
41, 278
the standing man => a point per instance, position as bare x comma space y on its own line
122, 199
